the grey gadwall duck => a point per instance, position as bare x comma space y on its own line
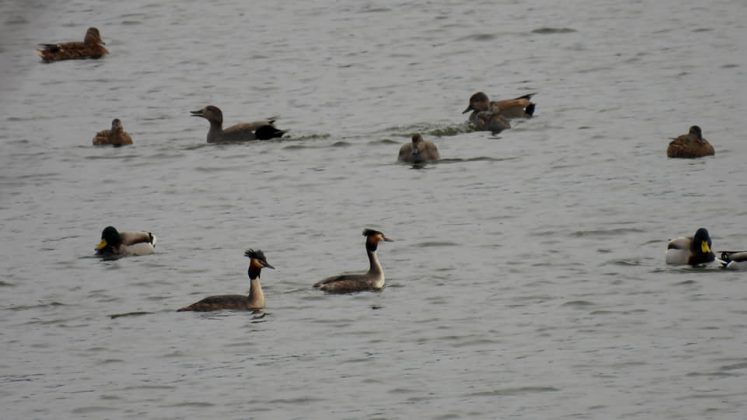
690, 250
489, 121
116, 136
116, 244
521, 107
690, 145
734, 259
258, 130
350, 283
255, 301
91, 47
418, 151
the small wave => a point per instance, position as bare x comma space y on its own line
138, 313
432, 244
626, 262
549, 31
514, 391
607, 232
41, 305
578, 303
431, 129
479, 37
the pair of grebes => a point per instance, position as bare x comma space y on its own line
115, 244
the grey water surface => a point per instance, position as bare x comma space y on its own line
527, 276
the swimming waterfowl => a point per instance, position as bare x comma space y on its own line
490, 121
418, 151
116, 136
734, 259
521, 107
255, 301
120, 244
258, 130
691, 250
690, 145
351, 283
91, 47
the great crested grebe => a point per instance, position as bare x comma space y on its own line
418, 151
116, 244
115, 137
521, 107
91, 47
257, 130
691, 250
690, 145
350, 283
255, 301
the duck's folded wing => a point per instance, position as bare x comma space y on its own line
248, 126
49, 47
680, 243
132, 238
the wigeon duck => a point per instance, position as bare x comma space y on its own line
91, 47
258, 130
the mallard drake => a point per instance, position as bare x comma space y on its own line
418, 151
258, 130
116, 244
690, 145
116, 136
691, 250
255, 301
521, 107
733, 259
91, 47
371, 280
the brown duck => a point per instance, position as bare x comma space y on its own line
255, 301
258, 130
521, 107
115, 137
690, 145
418, 151
91, 47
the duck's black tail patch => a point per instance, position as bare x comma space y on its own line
529, 110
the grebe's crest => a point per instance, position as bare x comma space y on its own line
259, 256
373, 237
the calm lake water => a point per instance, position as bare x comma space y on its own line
527, 279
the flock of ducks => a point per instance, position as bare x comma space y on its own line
486, 115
